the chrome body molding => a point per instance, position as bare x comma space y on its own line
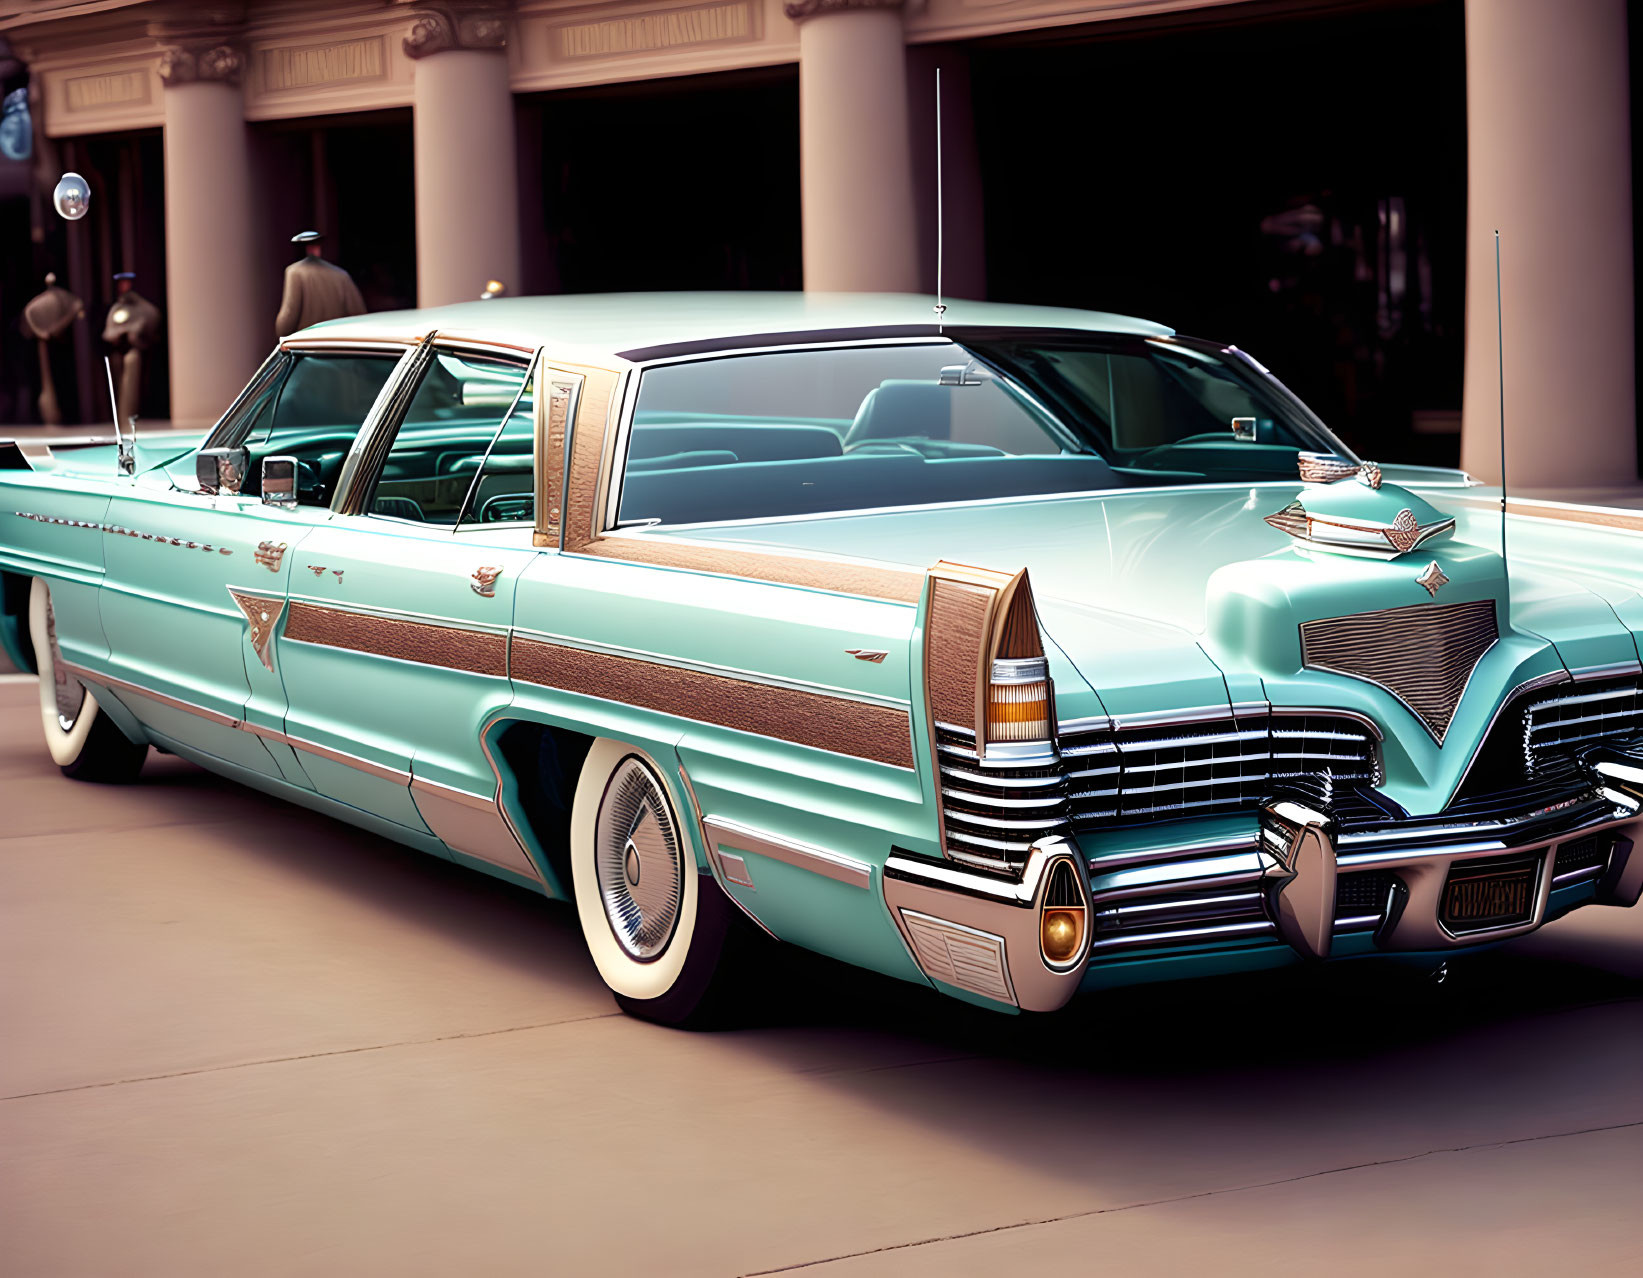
472, 824
712, 668
831, 865
977, 932
119, 530
1614, 670
716, 860
398, 775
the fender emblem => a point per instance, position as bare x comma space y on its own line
483, 581
874, 655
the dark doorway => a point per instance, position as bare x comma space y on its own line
688, 183
123, 231
1293, 182
352, 178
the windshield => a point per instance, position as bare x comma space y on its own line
983, 416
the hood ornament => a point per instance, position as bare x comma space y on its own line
1326, 468
1432, 578
1356, 514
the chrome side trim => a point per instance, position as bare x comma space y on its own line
176, 703
255, 729
471, 824
382, 771
715, 865
713, 668
831, 865
1614, 670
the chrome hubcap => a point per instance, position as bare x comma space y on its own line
71, 693
638, 863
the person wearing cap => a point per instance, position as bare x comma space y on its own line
315, 290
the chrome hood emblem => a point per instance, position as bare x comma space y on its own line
1356, 517
1432, 578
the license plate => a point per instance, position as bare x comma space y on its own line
1489, 895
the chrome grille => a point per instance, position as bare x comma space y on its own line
993, 811
1198, 769
1558, 722
1423, 654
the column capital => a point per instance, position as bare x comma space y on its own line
799, 10
200, 43
456, 24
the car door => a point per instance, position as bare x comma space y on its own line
195, 578
395, 645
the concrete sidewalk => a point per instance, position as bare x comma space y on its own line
238, 1038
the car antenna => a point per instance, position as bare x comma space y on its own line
125, 454
1500, 359
941, 306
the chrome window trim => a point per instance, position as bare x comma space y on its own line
348, 477
1018, 499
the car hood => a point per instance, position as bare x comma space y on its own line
1160, 601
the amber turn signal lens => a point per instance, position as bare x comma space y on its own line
1062, 932
1018, 701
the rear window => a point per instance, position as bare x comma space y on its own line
804, 432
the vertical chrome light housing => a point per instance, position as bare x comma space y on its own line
1019, 700
1063, 919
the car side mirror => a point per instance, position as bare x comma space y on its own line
279, 482
221, 470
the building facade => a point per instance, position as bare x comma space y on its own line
1318, 181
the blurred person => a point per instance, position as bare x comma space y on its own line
315, 289
134, 325
47, 318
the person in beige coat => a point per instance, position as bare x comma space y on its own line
315, 290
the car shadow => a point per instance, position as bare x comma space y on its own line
1238, 1077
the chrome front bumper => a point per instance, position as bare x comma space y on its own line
1296, 880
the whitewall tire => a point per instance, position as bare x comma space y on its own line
655, 929
84, 743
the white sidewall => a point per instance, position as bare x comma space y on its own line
65, 747
622, 972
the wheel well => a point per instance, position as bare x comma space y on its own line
14, 621
546, 763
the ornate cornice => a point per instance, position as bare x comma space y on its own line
217, 61
200, 43
457, 24
798, 10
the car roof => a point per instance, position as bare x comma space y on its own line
638, 326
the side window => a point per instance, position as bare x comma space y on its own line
310, 408
468, 429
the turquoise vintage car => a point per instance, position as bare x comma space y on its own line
1019, 652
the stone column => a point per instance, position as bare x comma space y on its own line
216, 339
855, 165
1549, 164
467, 185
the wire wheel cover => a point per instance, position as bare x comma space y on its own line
637, 861
71, 693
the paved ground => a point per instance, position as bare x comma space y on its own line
236, 1038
